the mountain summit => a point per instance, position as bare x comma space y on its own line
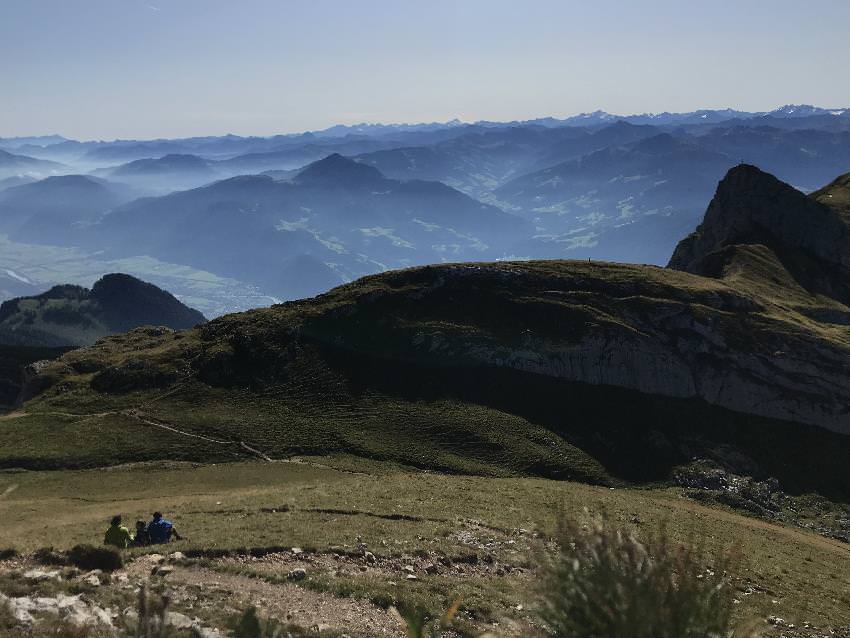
754, 216
72, 315
336, 171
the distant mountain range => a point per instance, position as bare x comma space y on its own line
69, 315
51, 210
13, 165
334, 220
291, 215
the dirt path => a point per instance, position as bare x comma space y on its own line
293, 604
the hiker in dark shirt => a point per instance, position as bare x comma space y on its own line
142, 538
161, 530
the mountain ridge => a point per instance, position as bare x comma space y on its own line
69, 315
589, 370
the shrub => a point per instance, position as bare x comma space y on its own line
49, 556
91, 557
606, 583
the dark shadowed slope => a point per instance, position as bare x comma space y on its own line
72, 315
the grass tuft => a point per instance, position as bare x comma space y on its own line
605, 582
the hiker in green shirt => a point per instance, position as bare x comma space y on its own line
117, 534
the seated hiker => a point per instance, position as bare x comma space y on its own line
117, 535
161, 530
142, 538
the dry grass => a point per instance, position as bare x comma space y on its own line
606, 582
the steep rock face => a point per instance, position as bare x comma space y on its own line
639, 328
753, 207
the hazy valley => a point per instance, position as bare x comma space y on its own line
312, 217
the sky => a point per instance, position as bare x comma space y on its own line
105, 69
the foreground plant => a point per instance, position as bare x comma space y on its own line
605, 583
418, 623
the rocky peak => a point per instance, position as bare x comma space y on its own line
753, 207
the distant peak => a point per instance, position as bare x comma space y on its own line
336, 170
63, 183
748, 178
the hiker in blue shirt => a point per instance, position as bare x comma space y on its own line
161, 530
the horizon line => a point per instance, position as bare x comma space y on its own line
454, 121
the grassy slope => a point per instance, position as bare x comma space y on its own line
319, 507
385, 368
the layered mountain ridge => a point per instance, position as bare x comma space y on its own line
597, 186
588, 370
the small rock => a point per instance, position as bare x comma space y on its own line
408, 568
178, 621
411, 577
297, 574
162, 571
177, 557
92, 579
369, 557
297, 550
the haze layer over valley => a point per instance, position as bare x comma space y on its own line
230, 223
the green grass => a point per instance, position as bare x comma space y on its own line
395, 368
236, 507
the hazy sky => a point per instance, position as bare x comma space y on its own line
149, 68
